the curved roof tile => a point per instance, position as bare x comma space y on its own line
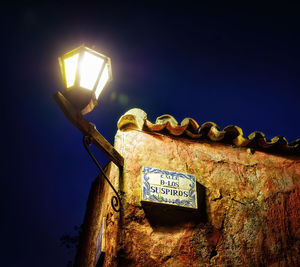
189, 128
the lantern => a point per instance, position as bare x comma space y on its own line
85, 73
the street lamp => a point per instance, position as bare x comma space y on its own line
86, 73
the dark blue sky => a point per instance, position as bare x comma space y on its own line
230, 64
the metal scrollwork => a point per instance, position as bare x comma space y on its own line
115, 200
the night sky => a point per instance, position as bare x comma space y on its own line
231, 64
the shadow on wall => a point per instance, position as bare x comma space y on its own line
170, 215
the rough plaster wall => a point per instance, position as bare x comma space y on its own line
112, 218
98, 206
251, 215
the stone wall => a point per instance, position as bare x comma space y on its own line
251, 211
249, 206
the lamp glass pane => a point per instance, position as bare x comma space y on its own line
70, 69
90, 67
102, 81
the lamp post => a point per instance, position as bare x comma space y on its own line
86, 73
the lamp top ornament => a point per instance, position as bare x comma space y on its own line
85, 73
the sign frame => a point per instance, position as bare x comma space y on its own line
169, 187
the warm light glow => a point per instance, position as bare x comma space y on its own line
103, 80
70, 69
90, 67
86, 73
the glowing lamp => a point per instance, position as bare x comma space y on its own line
85, 73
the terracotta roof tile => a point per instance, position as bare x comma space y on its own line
189, 128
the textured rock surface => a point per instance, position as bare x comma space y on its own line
250, 218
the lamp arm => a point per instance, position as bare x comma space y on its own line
115, 200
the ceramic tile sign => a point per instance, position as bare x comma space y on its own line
169, 187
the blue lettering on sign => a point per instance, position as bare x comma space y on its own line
154, 189
167, 187
172, 192
169, 183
